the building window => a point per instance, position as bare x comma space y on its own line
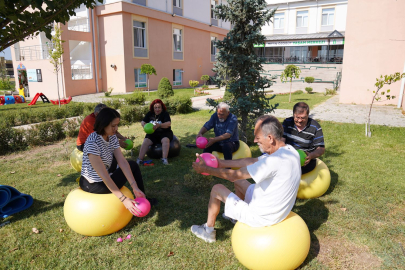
279, 21
302, 19
214, 3
177, 3
213, 48
177, 40
140, 79
139, 35
177, 76
328, 16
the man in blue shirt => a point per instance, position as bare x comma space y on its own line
225, 126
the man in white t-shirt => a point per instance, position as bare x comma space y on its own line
276, 175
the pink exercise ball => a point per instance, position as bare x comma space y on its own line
143, 205
210, 160
201, 142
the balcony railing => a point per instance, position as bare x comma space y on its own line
36, 52
337, 59
80, 24
81, 72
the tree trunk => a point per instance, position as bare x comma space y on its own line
148, 84
289, 101
368, 130
57, 84
243, 126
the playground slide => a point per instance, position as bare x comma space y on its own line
42, 96
13, 201
34, 100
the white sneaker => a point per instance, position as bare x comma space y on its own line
200, 232
228, 218
164, 161
139, 161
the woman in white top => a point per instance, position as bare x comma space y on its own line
98, 152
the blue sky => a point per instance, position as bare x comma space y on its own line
6, 53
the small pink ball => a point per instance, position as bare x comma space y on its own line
128, 236
119, 240
201, 142
143, 205
210, 160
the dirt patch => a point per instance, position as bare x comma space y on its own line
339, 253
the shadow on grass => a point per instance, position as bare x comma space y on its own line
314, 213
69, 179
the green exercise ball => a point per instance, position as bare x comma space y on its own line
303, 155
129, 143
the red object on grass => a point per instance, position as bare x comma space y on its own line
62, 101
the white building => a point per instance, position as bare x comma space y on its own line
305, 31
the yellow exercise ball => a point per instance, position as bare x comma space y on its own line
315, 183
242, 152
284, 245
96, 214
76, 159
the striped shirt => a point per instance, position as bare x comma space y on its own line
308, 139
96, 145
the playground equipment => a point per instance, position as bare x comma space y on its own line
7, 100
284, 245
62, 101
39, 95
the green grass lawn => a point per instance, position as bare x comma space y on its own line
311, 99
357, 224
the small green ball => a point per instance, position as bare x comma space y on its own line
129, 143
303, 155
148, 128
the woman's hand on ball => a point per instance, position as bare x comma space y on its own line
130, 205
138, 193
200, 165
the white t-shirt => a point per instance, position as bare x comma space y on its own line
277, 178
96, 145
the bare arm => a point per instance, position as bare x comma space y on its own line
121, 140
227, 174
315, 154
237, 163
202, 131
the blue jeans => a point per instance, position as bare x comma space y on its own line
226, 148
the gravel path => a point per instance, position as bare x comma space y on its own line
330, 110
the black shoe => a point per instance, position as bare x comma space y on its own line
152, 201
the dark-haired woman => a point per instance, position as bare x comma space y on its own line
163, 133
98, 152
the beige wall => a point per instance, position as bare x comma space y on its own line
374, 46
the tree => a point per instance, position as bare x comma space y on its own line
290, 72
193, 84
309, 80
237, 66
56, 52
25, 18
165, 89
205, 78
381, 82
149, 70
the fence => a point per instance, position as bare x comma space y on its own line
297, 59
35, 52
81, 72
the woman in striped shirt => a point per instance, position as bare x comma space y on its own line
98, 152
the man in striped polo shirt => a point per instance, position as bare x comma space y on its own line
304, 133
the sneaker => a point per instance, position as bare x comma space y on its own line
139, 161
164, 161
200, 232
228, 218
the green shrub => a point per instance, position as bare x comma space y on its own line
71, 127
205, 78
44, 133
309, 79
132, 114
204, 87
165, 89
330, 92
298, 92
114, 103
6, 84
178, 105
136, 98
308, 89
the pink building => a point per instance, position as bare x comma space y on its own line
375, 45
106, 46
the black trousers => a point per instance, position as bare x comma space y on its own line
310, 166
118, 177
225, 148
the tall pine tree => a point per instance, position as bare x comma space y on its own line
237, 66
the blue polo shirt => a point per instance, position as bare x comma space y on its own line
230, 125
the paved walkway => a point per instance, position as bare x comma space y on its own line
330, 110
